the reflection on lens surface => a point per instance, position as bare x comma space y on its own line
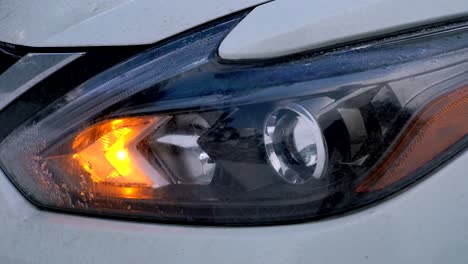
294, 144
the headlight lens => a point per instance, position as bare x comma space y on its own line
173, 134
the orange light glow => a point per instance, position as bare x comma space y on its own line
107, 151
443, 123
134, 192
122, 155
116, 123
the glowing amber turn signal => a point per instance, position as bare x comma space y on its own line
108, 151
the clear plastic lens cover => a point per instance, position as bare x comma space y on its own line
174, 134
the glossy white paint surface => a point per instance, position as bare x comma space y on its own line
284, 27
62, 23
425, 224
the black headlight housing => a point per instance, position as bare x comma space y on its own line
175, 134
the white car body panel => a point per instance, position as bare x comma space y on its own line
425, 224
284, 27
69, 23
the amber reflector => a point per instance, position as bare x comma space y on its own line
436, 128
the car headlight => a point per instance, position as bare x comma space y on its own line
175, 134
